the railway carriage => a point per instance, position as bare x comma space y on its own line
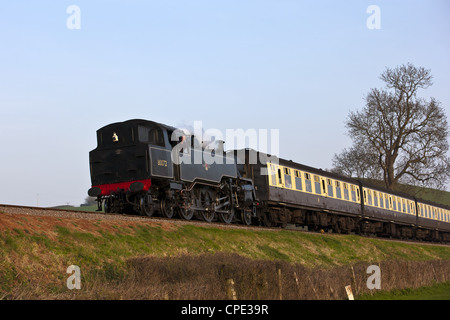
289, 192
433, 221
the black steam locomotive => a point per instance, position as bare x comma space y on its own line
145, 167
136, 168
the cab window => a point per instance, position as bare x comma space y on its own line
151, 135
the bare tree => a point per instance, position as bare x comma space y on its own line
89, 201
357, 162
405, 134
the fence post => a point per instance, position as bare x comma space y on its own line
348, 289
280, 288
354, 280
231, 293
298, 284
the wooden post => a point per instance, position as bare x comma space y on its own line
354, 279
280, 288
348, 289
231, 293
298, 284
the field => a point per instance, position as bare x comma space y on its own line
440, 291
151, 259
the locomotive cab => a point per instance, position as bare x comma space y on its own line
129, 155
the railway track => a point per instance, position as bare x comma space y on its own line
78, 214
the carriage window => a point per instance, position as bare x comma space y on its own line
381, 200
317, 184
273, 175
353, 190
370, 197
395, 204
308, 185
375, 198
330, 187
346, 194
338, 189
287, 178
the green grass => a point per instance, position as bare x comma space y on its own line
439, 291
82, 208
27, 255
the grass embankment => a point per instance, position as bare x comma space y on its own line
115, 256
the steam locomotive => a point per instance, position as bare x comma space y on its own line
144, 167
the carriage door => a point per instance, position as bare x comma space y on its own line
280, 178
323, 185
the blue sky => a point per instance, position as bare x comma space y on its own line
297, 66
